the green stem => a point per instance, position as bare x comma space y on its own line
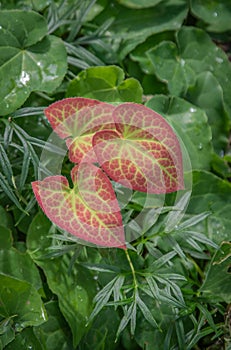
132, 269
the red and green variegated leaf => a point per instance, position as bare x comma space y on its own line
76, 120
144, 151
61, 113
88, 210
89, 121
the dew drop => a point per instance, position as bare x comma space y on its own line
200, 146
219, 60
215, 14
192, 110
182, 62
24, 78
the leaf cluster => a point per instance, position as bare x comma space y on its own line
171, 288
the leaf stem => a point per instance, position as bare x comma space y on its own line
132, 269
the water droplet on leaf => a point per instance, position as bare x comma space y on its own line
219, 59
192, 110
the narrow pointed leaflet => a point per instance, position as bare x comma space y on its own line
89, 210
76, 120
143, 151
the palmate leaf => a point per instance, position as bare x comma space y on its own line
89, 210
143, 153
77, 119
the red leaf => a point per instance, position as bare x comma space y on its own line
77, 119
60, 113
144, 150
89, 210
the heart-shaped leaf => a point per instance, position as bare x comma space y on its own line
77, 119
89, 210
144, 151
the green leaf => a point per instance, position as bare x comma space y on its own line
190, 123
129, 316
5, 218
19, 265
6, 239
146, 312
105, 84
201, 54
170, 68
208, 95
220, 165
29, 60
7, 333
210, 193
9, 192
149, 337
216, 14
25, 340
102, 333
20, 300
22, 31
178, 65
218, 277
75, 290
139, 54
55, 333
133, 26
157, 264
102, 297
5, 165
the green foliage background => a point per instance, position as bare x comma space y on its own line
173, 56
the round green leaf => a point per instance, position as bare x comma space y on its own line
208, 95
19, 265
24, 28
200, 53
29, 60
106, 84
216, 14
21, 301
170, 68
